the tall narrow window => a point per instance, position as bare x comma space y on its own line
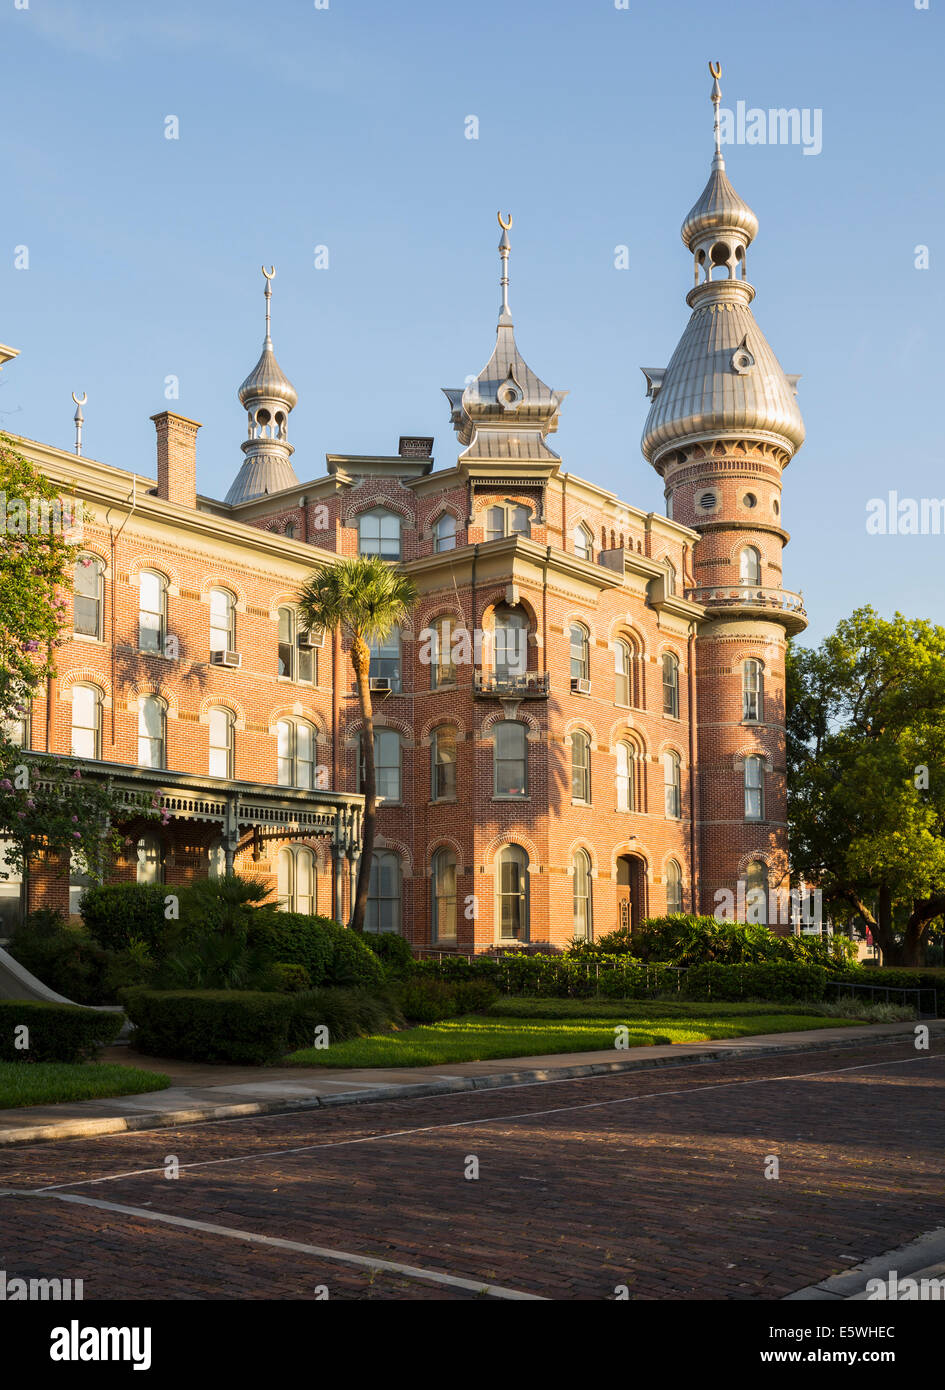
754, 789
11, 891
670, 685
670, 577
443, 757
296, 879
580, 766
511, 762
216, 858
385, 658
296, 653
79, 880
87, 600
583, 543
752, 691
152, 611
756, 893
673, 887
444, 895
379, 534
444, 533
510, 646
222, 621
580, 652
150, 866
386, 764
672, 785
295, 741
583, 910
151, 725
626, 793
383, 905
623, 673
86, 721
512, 894
507, 519
749, 565
221, 743
17, 731
442, 669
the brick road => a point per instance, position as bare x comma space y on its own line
652, 1179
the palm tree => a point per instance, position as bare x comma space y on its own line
366, 598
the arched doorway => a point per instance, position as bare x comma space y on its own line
631, 891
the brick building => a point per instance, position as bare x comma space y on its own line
584, 722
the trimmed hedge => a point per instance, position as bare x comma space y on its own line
248, 1026
392, 951
777, 981
57, 1032
330, 953
116, 913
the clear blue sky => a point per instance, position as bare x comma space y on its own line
345, 127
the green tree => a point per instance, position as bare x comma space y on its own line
37, 552
866, 775
366, 599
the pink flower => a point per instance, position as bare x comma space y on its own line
77, 775
6, 784
31, 646
75, 820
21, 815
77, 834
31, 804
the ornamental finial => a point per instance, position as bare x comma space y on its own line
269, 274
504, 249
716, 70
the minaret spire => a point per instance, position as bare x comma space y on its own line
269, 274
716, 70
505, 247
79, 419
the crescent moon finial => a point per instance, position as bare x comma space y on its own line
270, 273
504, 225
715, 69
84, 399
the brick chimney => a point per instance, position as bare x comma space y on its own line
176, 458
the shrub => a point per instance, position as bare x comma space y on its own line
346, 1013
428, 1001
896, 978
63, 957
286, 978
776, 981
242, 1026
474, 996
57, 1032
684, 940
392, 951
330, 953
115, 914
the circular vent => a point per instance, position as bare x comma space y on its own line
750, 500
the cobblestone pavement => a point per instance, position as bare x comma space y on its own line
653, 1180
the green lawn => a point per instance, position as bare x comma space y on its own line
45, 1083
476, 1038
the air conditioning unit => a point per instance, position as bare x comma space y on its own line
579, 686
221, 658
314, 638
381, 683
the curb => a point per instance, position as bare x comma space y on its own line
87, 1129
921, 1257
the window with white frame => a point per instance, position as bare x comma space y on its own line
510, 759
510, 642
443, 875
385, 658
674, 900
754, 788
507, 519
623, 673
379, 534
579, 640
222, 725
752, 691
749, 565
384, 893
295, 876
387, 765
152, 716
295, 751
580, 766
670, 685
222, 621
442, 668
512, 894
672, 785
152, 611
583, 542
150, 859
583, 901
755, 879
443, 763
296, 655
626, 767
86, 739
88, 589
444, 533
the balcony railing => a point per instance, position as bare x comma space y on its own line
531, 685
748, 596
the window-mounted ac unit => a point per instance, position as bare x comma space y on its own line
580, 686
381, 683
221, 658
315, 637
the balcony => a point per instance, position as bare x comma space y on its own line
781, 605
491, 685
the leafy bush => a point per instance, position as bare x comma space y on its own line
286, 978
346, 1013
474, 996
428, 1001
684, 940
776, 981
63, 957
392, 951
895, 978
57, 1032
209, 959
850, 1006
115, 914
330, 953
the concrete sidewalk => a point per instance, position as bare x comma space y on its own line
203, 1092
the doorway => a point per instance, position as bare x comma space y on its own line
631, 891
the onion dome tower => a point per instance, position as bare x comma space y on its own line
723, 425
268, 396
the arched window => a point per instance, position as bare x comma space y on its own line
383, 905
583, 901
753, 691
674, 901
512, 894
626, 768
444, 895
222, 724
216, 858
150, 867
580, 766
623, 673
672, 787
511, 759
444, 533
296, 652
443, 764
152, 611
507, 519
87, 600
11, 892
670, 577
296, 879
442, 669
386, 764
16, 731
583, 542
670, 685
296, 753
379, 534
754, 788
152, 715
86, 721
749, 565
222, 621
580, 653
756, 892
385, 659
510, 645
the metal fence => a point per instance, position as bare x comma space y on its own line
915, 1000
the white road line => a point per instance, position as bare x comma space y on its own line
488, 1119
275, 1242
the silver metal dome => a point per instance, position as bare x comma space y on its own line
267, 381
719, 209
